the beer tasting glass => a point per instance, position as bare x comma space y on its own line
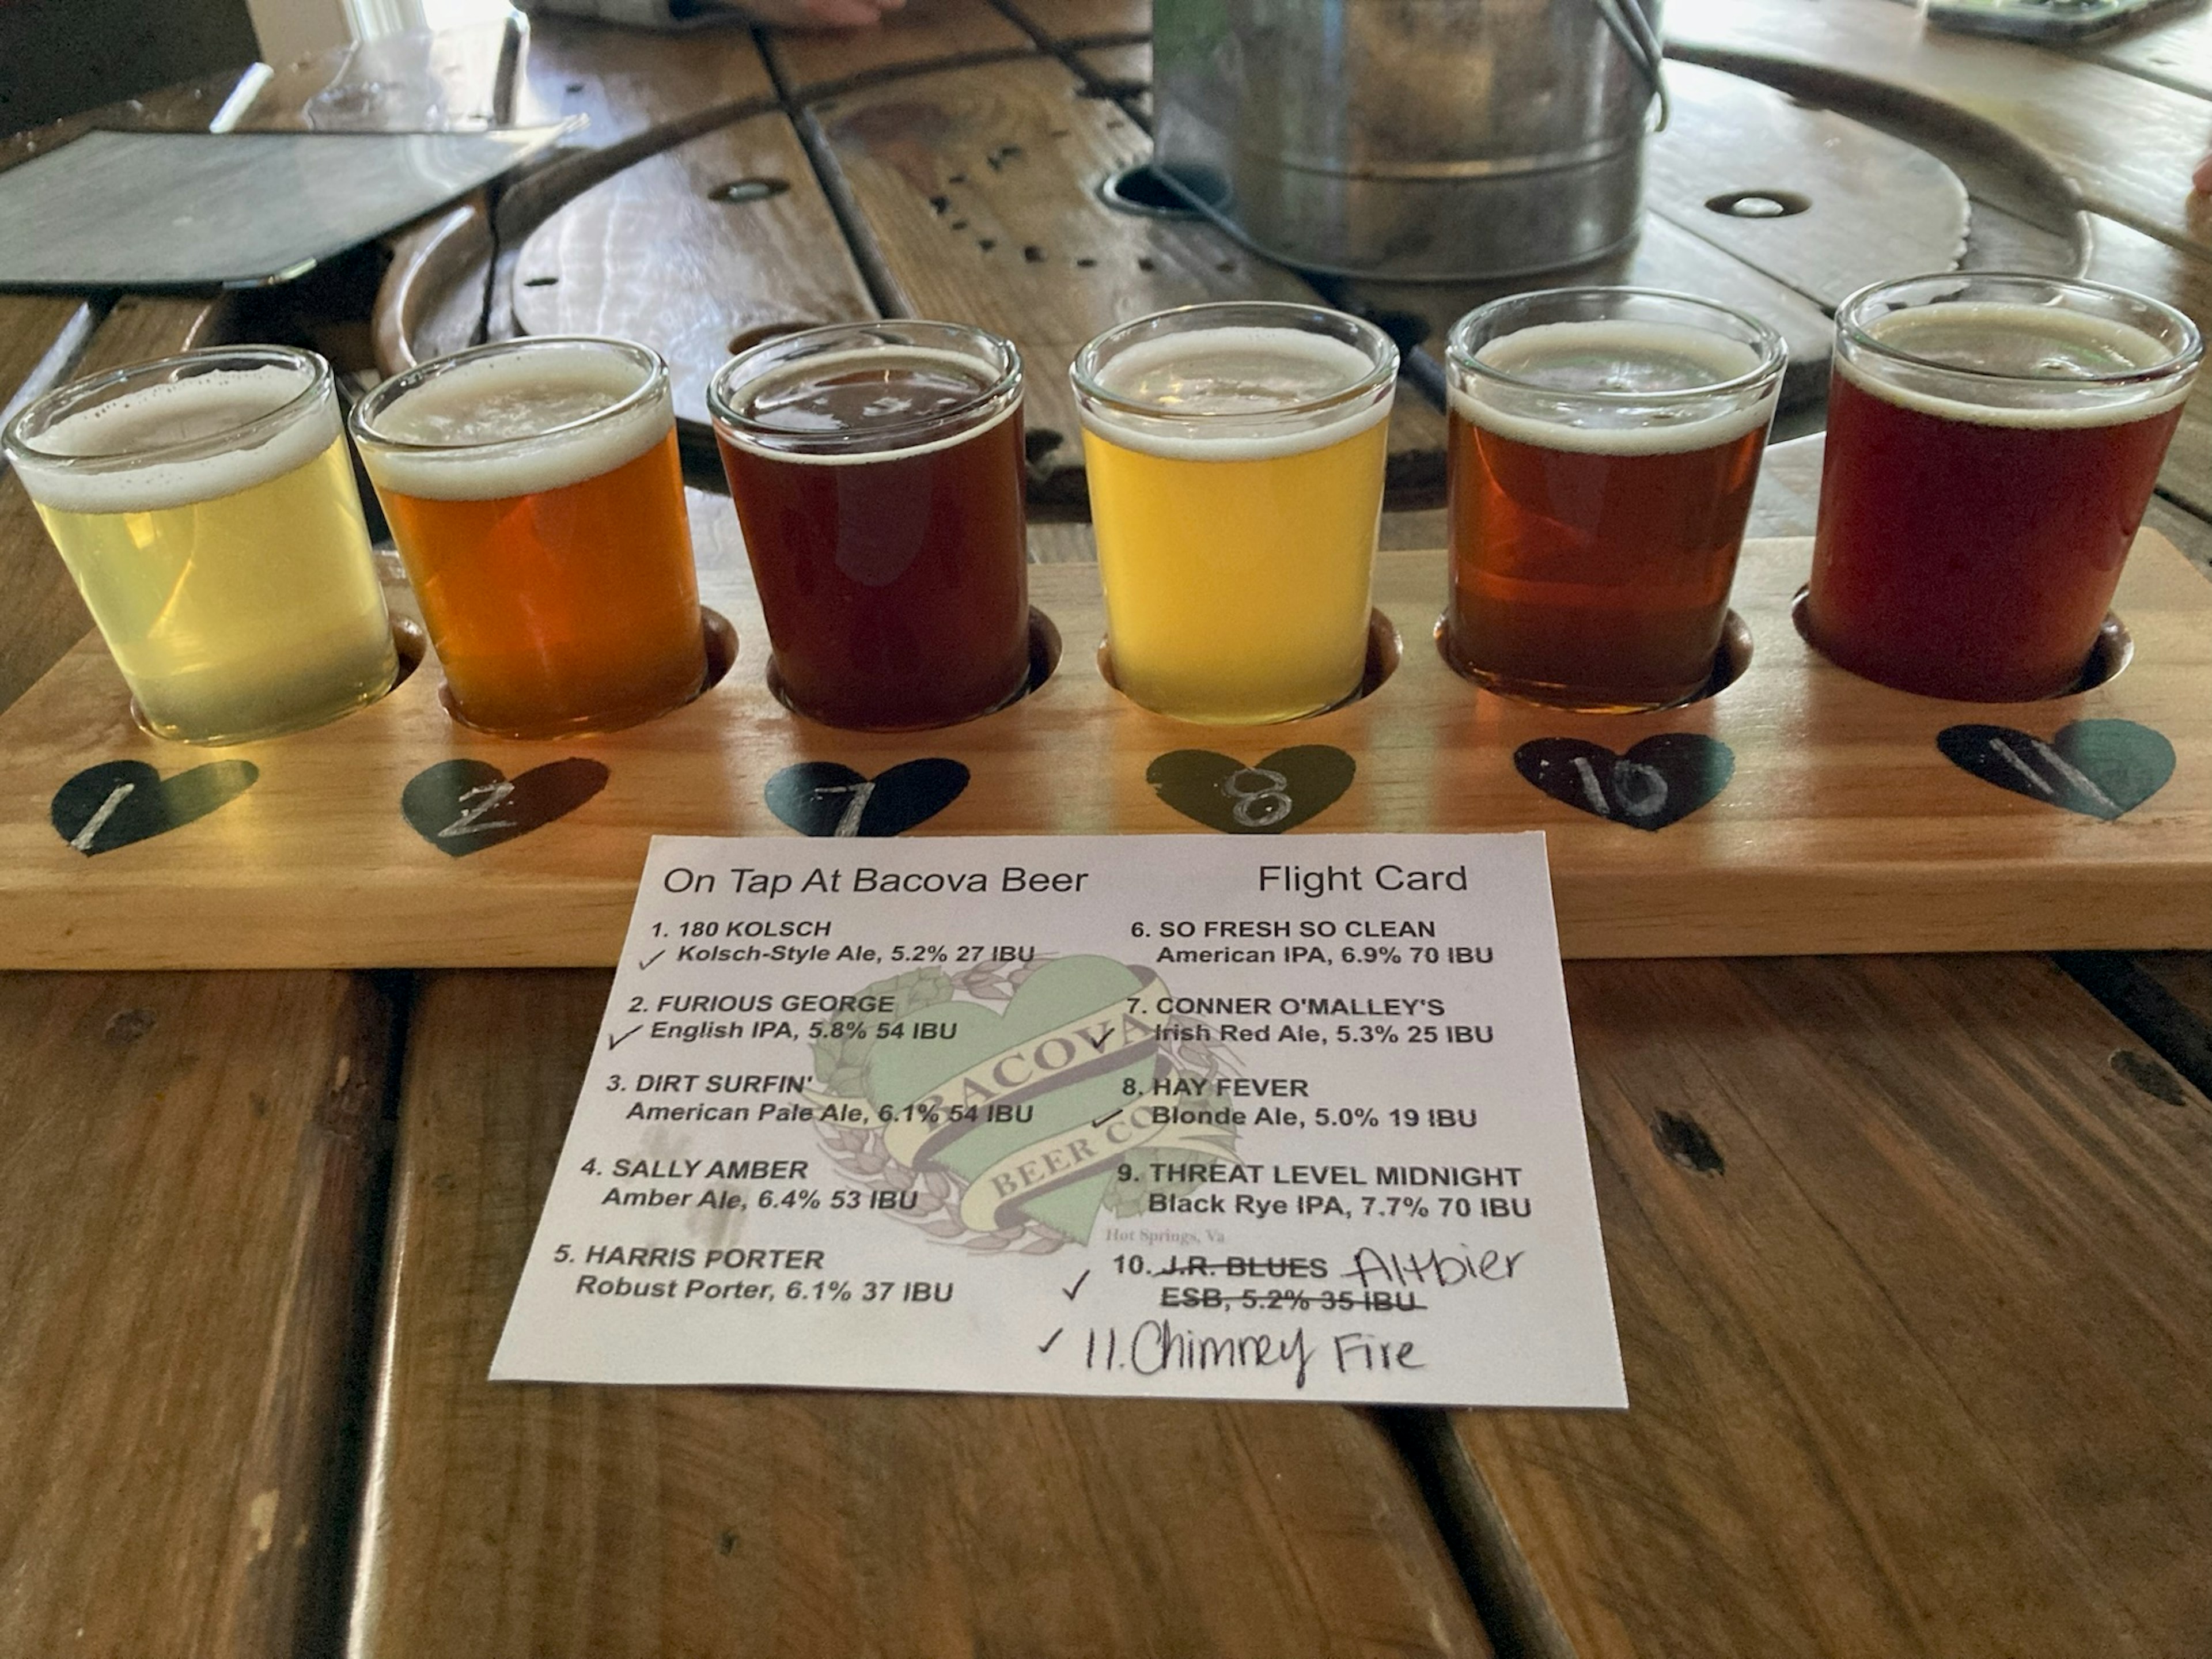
1236, 455
1992, 442
1603, 450
205, 506
878, 473
534, 492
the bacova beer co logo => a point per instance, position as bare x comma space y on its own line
1005, 1110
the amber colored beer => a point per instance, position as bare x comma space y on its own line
878, 474
1601, 470
535, 493
1973, 526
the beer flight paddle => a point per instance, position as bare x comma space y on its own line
1235, 460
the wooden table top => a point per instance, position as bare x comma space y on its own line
1911, 1256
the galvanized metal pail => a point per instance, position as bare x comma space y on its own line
1444, 139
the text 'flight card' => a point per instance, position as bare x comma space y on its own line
1160, 1115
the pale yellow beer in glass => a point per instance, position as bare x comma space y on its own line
1236, 455
206, 509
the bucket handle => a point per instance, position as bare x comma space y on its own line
1631, 25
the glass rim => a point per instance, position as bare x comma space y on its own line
887, 441
1774, 350
387, 393
1848, 327
64, 400
1083, 376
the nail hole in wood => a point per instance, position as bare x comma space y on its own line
1684, 1140
539, 282
1146, 264
986, 243
750, 189
574, 85
1087, 262
959, 224
1758, 203
1140, 189
940, 205
1033, 253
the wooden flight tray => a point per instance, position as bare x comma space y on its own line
1799, 810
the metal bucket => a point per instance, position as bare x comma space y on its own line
1439, 139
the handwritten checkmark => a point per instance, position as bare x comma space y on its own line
614, 1041
1049, 1341
1070, 1292
1098, 1122
654, 957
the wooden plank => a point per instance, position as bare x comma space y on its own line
1844, 828
978, 190
2175, 50
41, 336
2183, 279
1066, 22
627, 83
43, 617
658, 253
1914, 1294
920, 33
197, 1162
2130, 144
1126, 69
540, 1521
1872, 206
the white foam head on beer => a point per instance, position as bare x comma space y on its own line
2047, 360
1235, 394
1649, 374
516, 423
192, 413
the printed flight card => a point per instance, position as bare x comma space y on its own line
1217, 1117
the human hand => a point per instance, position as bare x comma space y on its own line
2202, 182
821, 14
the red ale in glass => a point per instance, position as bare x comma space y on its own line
1599, 486
1988, 464
878, 474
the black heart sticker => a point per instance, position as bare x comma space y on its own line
1276, 793
822, 798
117, 802
1659, 781
2100, 768
463, 806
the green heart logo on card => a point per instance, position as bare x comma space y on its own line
1013, 1104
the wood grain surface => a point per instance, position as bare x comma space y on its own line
626, 82
43, 617
1844, 828
1872, 206
537, 1521
2129, 144
1914, 1286
661, 254
978, 190
920, 33
1065, 22
196, 1162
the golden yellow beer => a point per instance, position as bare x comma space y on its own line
209, 519
1236, 477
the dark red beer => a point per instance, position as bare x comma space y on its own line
1970, 549
879, 483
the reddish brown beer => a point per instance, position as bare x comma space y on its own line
1601, 466
1974, 523
878, 478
